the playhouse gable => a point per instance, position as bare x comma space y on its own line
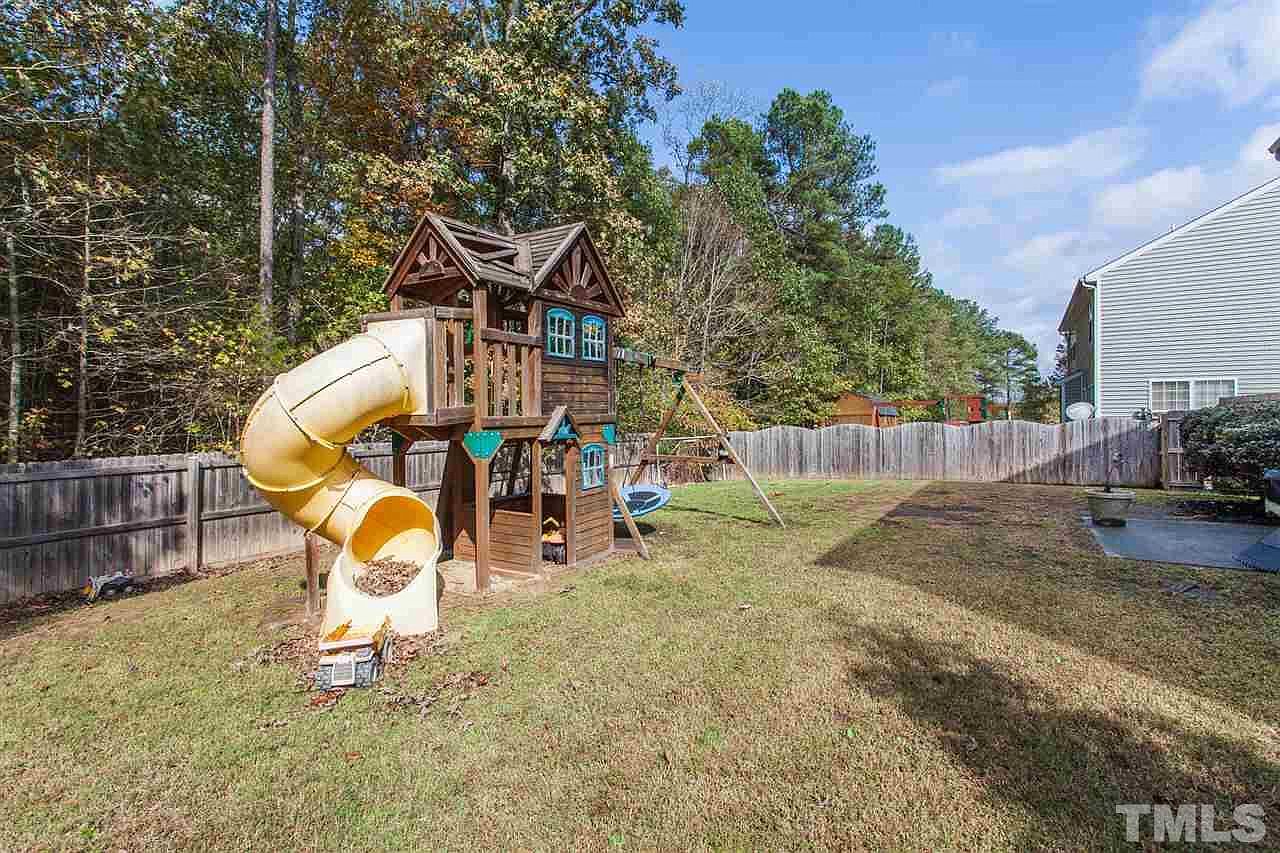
430, 264
574, 273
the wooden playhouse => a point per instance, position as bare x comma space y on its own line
519, 334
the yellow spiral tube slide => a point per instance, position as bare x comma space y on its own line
293, 449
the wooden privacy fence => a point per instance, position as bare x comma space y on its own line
997, 451
63, 521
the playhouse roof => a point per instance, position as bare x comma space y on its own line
442, 248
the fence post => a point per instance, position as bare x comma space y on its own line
195, 494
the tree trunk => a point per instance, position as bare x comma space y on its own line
298, 198
82, 379
1008, 388
506, 180
15, 349
505, 223
266, 223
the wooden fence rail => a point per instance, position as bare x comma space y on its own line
63, 521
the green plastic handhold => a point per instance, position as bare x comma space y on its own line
483, 444
610, 433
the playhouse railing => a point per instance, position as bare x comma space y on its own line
506, 379
512, 366
490, 372
450, 361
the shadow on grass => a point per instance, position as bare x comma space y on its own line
1068, 768
1019, 554
765, 522
18, 617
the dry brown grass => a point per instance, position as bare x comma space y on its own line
910, 666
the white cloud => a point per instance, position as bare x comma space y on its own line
972, 216
1163, 198
1232, 49
1041, 250
1064, 253
1043, 168
948, 88
1171, 197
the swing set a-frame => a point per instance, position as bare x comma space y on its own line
685, 382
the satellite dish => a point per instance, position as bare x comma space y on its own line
1081, 411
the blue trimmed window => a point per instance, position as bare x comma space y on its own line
593, 338
592, 466
560, 333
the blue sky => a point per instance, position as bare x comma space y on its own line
1024, 143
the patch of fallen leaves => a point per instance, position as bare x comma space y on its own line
298, 651
420, 703
326, 699
386, 577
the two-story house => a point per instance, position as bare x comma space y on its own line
1183, 320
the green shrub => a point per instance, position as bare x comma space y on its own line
1233, 444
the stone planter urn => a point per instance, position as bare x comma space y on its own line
1110, 509
1107, 506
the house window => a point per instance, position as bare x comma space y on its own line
1207, 392
1172, 395
592, 466
560, 333
593, 338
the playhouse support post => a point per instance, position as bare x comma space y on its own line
535, 502
533, 406
482, 524
311, 547
572, 480
480, 398
452, 494
399, 459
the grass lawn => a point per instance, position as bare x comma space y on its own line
908, 666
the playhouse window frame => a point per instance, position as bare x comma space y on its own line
593, 473
593, 348
560, 337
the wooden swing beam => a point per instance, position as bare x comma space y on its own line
688, 379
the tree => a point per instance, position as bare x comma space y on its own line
824, 189
143, 147
1011, 369
1040, 401
266, 199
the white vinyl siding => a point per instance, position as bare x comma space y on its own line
1202, 304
